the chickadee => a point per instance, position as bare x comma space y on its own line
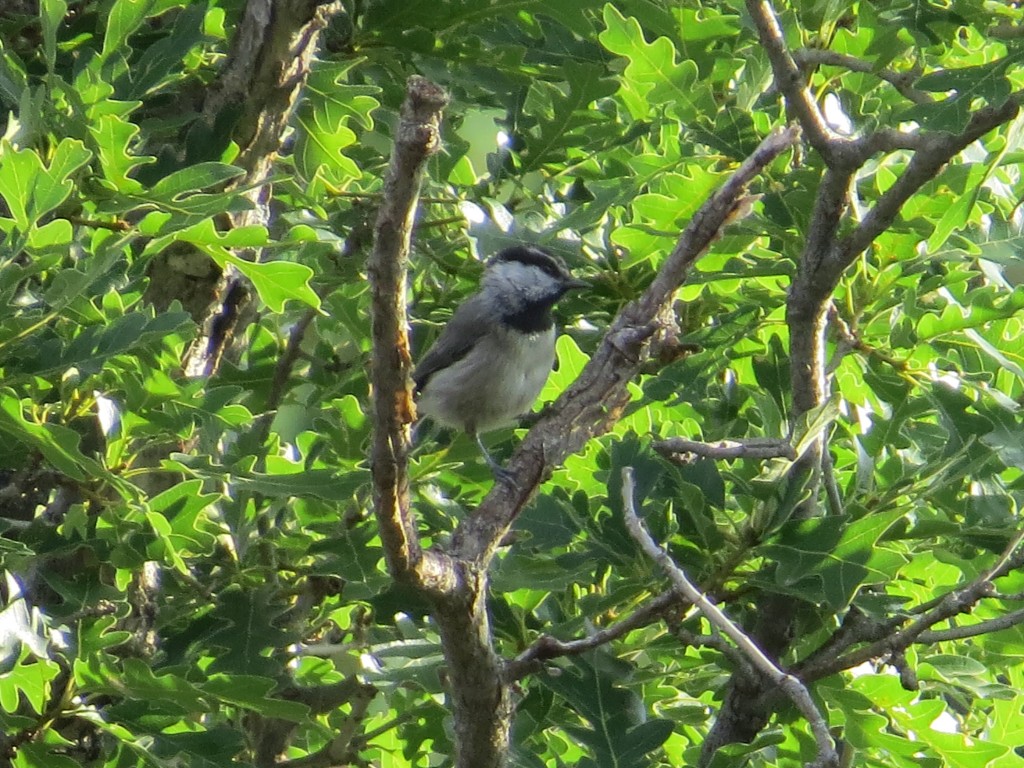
492, 358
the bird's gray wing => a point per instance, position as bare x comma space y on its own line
469, 323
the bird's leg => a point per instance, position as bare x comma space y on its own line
414, 433
501, 474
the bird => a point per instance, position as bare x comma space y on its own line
494, 355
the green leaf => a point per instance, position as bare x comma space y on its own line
19, 172
42, 756
30, 678
125, 17
96, 344
616, 730
571, 361
245, 630
956, 215
987, 82
653, 75
274, 281
325, 119
826, 559
161, 63
13, 79
192, 179
58, 444
566, 118
278, 281
812, 425
55, 234
115, 137
190, 530
952, 667
167, 690
51, 14
645, 738
320, 483
32, 190
213, 748
984, 309
253, 693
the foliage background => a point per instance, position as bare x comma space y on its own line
202, 582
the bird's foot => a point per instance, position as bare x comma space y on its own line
502, 475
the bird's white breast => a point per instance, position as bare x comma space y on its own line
497, 381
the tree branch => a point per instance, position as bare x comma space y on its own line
953, 603
678, 448
791, 81
481, 698
418, 137
250, 103
343, 749
1011, 619
903, 82
937, 150
827, 253
1006, 31
481, 702
547, 647
594, 402
789, 684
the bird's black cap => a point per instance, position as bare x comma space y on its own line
540, 258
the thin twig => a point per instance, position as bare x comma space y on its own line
957, 601
117, 225
1008, 560
1005, 621
286, 362
749, 448
1008, 596
282, 372
1006, 31
343, 749
720, 644
789, 684
791, 81
828, 478
547, 647
901, 81
366, 738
